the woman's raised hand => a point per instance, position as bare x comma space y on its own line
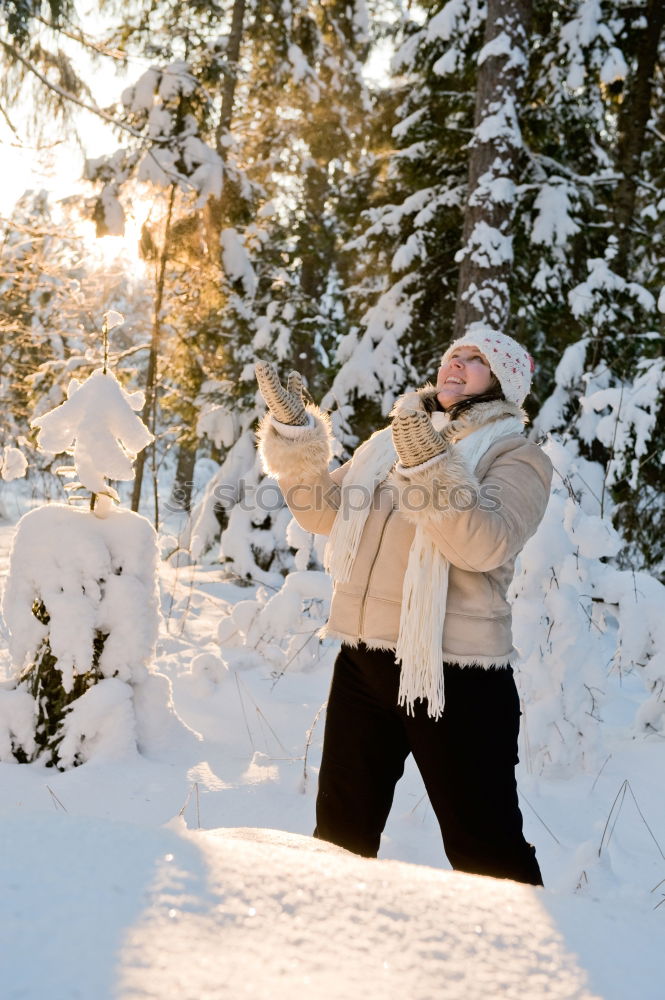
415, 438
286, 405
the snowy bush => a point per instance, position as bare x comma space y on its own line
75, 584
580, 623
242, 501
282, 627
81, 600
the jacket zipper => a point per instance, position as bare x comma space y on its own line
369, 576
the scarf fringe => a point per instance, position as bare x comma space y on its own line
421, 627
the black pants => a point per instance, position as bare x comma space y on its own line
466, 758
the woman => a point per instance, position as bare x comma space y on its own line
425, 523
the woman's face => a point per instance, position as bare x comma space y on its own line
465, 373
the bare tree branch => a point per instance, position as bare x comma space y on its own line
67, 95
83, 39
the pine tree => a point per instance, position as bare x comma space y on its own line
402, 268
19, 16
67, 610
264, 246
588, 227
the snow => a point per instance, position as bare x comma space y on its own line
502, 45
402, 128
114, 215
175, 81
302, 72
101, 724
13, 464
99, 425
578, 36
567, 375
160, 123
631, 421
17, 711
375, 361
236, 260
448, 63
496, 189
581, 626
259, 912
445, 23
141, 97
586, 297
407, 253
206, 170
186, 870
361, 20
157, 166
487, 246
112, 318
91, 574
219, 424
614, 67
178, 910
553, 224
499, 121
404, 56
389, 217
622, 415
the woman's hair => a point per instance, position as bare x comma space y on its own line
494, 392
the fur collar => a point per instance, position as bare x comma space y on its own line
487, 413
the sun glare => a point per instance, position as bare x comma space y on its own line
116, 251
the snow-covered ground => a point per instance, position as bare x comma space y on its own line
187, 871
114, 909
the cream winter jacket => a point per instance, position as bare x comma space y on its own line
479, 521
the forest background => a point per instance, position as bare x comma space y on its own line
262, 195
340, 187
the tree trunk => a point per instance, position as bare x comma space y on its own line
231, 78
215, 210
633, 120
486, 257
148, 412
181, 495
315, 244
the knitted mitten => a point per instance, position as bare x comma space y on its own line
286, 405
415, 439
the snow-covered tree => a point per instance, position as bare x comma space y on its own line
589, 270
284, 146
583, 627
51, 285
400, 260
80, 601
543, 196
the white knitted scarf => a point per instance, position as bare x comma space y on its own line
419, 643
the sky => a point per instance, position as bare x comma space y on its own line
59, 166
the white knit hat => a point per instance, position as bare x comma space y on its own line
510, 362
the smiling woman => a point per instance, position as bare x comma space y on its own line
420, 569
466, 373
